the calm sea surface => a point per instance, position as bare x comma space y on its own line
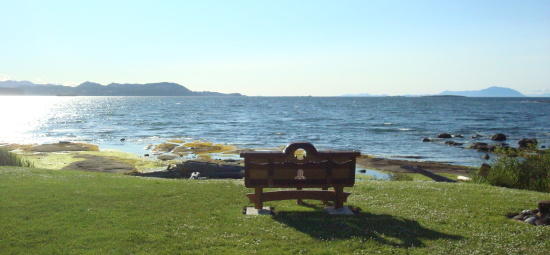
391, 127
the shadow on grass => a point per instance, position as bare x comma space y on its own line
383, 228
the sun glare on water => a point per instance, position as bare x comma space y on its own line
21, 115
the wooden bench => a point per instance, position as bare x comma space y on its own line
299, 166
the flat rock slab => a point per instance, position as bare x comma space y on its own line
341, 211
63, 146
394, 165
266, 210
93, 163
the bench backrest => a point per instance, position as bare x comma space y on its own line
276, 169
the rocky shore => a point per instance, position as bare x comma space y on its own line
393, 165
88, 157
498, 139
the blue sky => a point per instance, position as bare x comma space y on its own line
281, 48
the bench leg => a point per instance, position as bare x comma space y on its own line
299, 201
339, 201
325, 202
258, 203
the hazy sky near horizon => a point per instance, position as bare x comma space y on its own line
281, 48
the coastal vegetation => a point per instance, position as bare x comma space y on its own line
74, 212
519, 168
398, 176
8, 158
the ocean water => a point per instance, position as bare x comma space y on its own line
390, 127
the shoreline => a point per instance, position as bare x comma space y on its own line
397, 165
88, 157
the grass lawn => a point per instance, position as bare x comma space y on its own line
71, 212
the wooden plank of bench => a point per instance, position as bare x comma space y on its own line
299, 194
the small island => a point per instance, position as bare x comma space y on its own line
444, 96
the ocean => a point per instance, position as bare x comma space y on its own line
388, 127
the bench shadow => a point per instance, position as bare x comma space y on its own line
383, 228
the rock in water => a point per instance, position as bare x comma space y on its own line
482, 147
526, 142
498, 137
444, 135
453, 143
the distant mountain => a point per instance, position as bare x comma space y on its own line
11, 91
488, 92
96, 89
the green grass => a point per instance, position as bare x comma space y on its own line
70, 212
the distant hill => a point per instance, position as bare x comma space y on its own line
96, 89
488, 92
11, 91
